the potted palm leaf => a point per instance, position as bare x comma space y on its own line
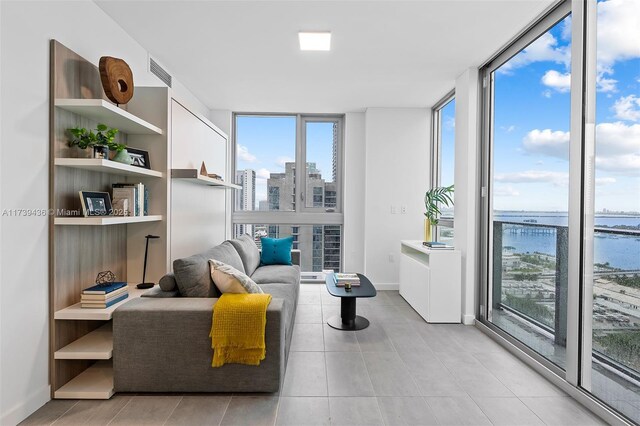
434, 199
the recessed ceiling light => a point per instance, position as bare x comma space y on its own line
318, 40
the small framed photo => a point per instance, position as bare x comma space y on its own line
95, 203
139, 158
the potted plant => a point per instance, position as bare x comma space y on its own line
102, 140
433, 200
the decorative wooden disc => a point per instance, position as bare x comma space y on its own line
117, 79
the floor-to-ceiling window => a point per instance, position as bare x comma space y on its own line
443, 156
529, 182
278, 200
561, 171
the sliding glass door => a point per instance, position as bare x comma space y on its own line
529, 197
561, 187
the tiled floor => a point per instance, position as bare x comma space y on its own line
400, 370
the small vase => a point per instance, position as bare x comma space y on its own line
123, 157
101, 152
428, 234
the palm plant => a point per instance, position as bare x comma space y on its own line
434, 198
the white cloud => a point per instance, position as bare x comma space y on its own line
544, 48
547, 142
263, 174
617, 146
605, 181
618, 31
533, 176
557, 81
508, 129
244, 154
627, 108
280, 161
505, 191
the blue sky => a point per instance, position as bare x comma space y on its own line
532, 118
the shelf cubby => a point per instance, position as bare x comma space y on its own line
77, 312
96, 382
95, 345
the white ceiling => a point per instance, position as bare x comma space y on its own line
244, 55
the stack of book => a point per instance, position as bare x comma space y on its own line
102, 296
434, 245
137, 197
341, 279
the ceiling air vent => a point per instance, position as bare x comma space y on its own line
159, 72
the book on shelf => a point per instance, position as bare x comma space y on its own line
435, 245
104, 288
104, 304
106, 296
136, 194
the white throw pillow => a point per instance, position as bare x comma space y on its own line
229, 280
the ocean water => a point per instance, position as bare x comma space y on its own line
621, 251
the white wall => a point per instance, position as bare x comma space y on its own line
466, 230
353, 243
25, 30
397, 173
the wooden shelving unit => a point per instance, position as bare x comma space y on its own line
96, 345
106, 166
193, 175
80, 247
106, 220
96, 382
105, 112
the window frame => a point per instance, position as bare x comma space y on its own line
436, 150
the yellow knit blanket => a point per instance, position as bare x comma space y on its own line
238, 329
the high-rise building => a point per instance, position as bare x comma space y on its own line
245, 198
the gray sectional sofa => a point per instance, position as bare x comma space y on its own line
161, 341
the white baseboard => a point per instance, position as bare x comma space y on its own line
468, 319
386, 286
26, 407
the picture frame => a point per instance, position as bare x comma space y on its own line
139, 158
95, 203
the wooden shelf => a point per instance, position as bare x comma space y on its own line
192, 175
106, 166
77, 312
96, 382
106, 220
95, 345
107, 113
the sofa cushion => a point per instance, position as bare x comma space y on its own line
248, 251
193, 274
229, 280
288, 293
276, 251
277, 274
168, 282
159, 293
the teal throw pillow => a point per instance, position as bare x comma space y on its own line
276, 251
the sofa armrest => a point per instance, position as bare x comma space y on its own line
163, 345
295, 257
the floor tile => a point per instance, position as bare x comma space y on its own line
389, 375
382, 314
307, 337
251, 411
329, 311
381, 298
430, 375
406, 411
354, 411
309, 314
328, 299
395, 298
340, 340
347, 374
374, 339
146, 410
438, 338
561, 411
309, 298
199, 410
49, 412
312, 288
306, 375
522, 380
507, 412
94, 412
472, 376
404, 337
457, 411
303, 411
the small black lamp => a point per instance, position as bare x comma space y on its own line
144, 284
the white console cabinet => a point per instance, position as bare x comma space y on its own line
430, 282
